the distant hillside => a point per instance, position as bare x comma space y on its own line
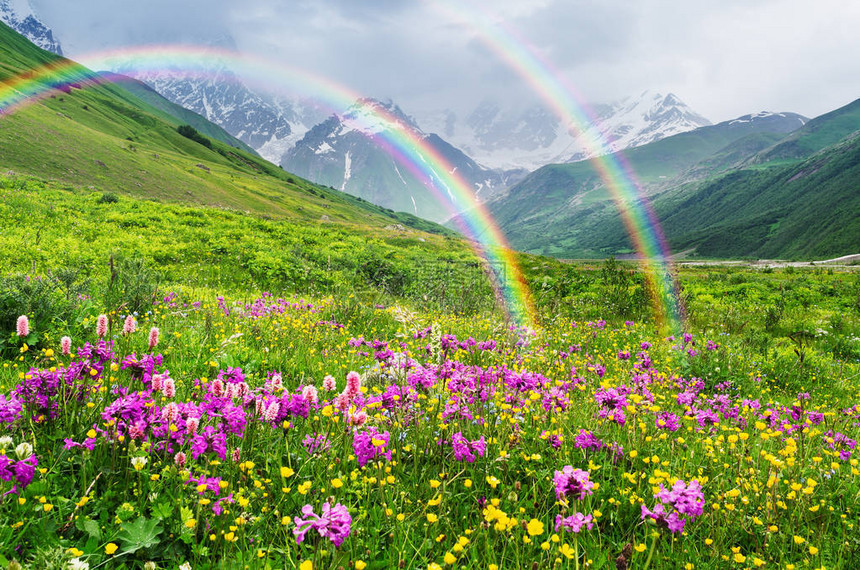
565, 210
182, 115
90, 133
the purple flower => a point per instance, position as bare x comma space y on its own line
667, 421
334, 523
573, 523
574, 483
465, 450
677, 505
369, 444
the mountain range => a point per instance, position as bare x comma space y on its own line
503, 137
774, 184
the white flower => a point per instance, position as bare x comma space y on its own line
138, 462
185, 566
150, 565
78, 564
24, 450
6, 442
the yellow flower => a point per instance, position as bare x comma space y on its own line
758, 562
493, 481
739, 558
306, 565
534, 527
286, 472
110, 548
336, 483
450, 558
48, 507
640, 547
431, 517
567, 551
799, 539
190, 523
360, 565
813, 551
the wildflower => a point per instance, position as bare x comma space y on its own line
153, 337
334, 523
23, 326
534, 527
24, 450
101, 326
681, 501
572, 482
129, 326
138, 462
179, 459
168, 389
78, 564
365, 445
66, 345
353, 385
465, 450
110, 548
329, 383
573, 523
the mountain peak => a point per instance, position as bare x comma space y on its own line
20, 16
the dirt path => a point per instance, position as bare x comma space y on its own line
845, 262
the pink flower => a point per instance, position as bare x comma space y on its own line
191, 425
329, 383
101, 326
153, 337
341, 403
358, 418
129, 326
170, 412
310, 394
353, 385
66, 345
271, 412
179, 459
169, 388
23, 326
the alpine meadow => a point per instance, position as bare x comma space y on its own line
223, 346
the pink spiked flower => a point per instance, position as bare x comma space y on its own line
168, 389
329, 383
101, 326
179, 459
23, 326
153, 337
353, 385
66, 345
129, 326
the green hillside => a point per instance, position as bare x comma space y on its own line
98, 135
565, 210
731, 190
808, 210
180, 115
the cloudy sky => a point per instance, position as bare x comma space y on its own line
724, 58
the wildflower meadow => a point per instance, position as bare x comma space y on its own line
158, 422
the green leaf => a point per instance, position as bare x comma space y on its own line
142, 533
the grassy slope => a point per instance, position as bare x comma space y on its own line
175, 114
102, 136
566, 210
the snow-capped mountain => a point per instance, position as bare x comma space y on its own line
347, 152
269, 124
534, 136
20, 16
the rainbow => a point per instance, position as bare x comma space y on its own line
402, 143
638, 216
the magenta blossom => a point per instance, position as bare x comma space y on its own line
574, 483
683, 502
573, 523
334, 523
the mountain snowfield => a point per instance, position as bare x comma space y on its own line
350, 152
534, 136
20, 16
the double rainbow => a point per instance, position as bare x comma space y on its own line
405, 145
